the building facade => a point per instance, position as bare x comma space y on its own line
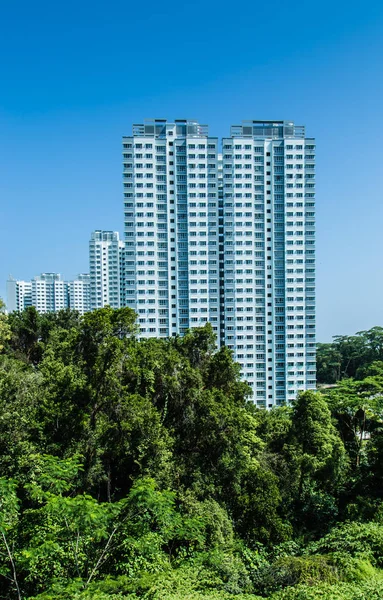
171, 195
79, 293
19, 295
228, 239
48, 292
105, 269
269, 257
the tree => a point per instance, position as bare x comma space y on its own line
317, 459
329, 362
354, 353
26, 334
373, 339
346, 356
358, 408
198, 345
5, 330
20, 395
9, 515
224, 374
315, 438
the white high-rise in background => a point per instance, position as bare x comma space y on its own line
105, 264
171, 267
269, 257
79, 293
19, 295
48, 292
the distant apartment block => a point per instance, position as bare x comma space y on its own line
19, 295
48, 292
105, 265
79, 293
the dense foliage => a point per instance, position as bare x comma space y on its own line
349, 355
140, 469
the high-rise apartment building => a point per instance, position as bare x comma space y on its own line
79, 293
105, 265
228, 239
48, 292
19, 295
269, 257
171, 195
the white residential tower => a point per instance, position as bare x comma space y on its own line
105, 264
171, 272
269, 257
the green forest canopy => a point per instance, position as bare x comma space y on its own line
140, 469
349, 355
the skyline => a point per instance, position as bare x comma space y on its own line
60, 149
227, 239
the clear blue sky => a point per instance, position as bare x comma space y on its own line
74, 76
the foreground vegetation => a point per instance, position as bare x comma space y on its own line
139, 469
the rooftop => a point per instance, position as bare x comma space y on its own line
161, 128
268, 129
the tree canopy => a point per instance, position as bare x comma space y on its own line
348, 355
140, 468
